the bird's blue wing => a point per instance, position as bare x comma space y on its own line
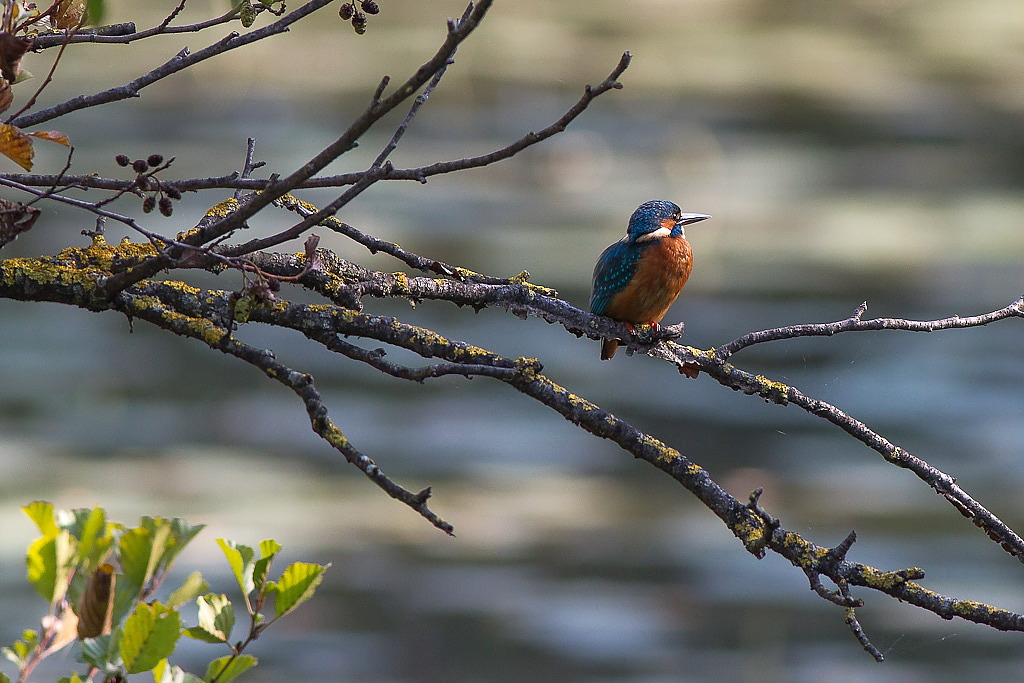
614, 269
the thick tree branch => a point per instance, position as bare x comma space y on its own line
208, 315
122, 278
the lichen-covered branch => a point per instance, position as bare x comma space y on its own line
124, 278
210, 316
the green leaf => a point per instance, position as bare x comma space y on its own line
42, 514
94, 11
47, 561
163, 672
198, 633
296, 585
240, 557
135, 548
94, 537
73, 678
4, 678
216, 616
194, 586
182, 534
20, 650
103, 652
229, 668
269, 547
268, 550
149, 634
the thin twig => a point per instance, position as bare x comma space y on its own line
183, 60
855, 324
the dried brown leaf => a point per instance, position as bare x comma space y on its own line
12, 49
15, 219
53, 136
16, 145
68, 14
96, 606
6, 96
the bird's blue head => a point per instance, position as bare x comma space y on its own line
660, 215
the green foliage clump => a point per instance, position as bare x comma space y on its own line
99, 578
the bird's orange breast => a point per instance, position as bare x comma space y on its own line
660, 275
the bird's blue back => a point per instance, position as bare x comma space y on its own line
614, 270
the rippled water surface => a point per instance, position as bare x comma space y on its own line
849, 151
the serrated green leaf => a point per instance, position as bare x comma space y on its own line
149, 634
229, 668
268, 550
216, 615
42, 514
47, 561
182, 534
4, 678
94, 537
194, 586
269, 547
103, 652
296, 585
73, 678
240, 557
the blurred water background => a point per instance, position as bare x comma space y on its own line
850, 150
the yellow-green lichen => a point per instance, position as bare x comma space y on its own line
401, 286
290, 201
807, 555
47, 272
523, 279
876, 578
709, 354
202, 328
771, 387
182, 287
332, 435
528, 368
752, 533
222, 209
198, 328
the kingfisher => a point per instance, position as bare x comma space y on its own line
637, 278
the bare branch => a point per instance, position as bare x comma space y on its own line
855, 324
183, 60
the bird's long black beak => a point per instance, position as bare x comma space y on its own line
687, 218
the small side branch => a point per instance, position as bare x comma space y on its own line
855, 323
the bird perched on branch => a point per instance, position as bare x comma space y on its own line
637, 278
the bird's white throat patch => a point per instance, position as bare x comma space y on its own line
656, 234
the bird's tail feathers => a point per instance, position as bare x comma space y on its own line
608, 347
